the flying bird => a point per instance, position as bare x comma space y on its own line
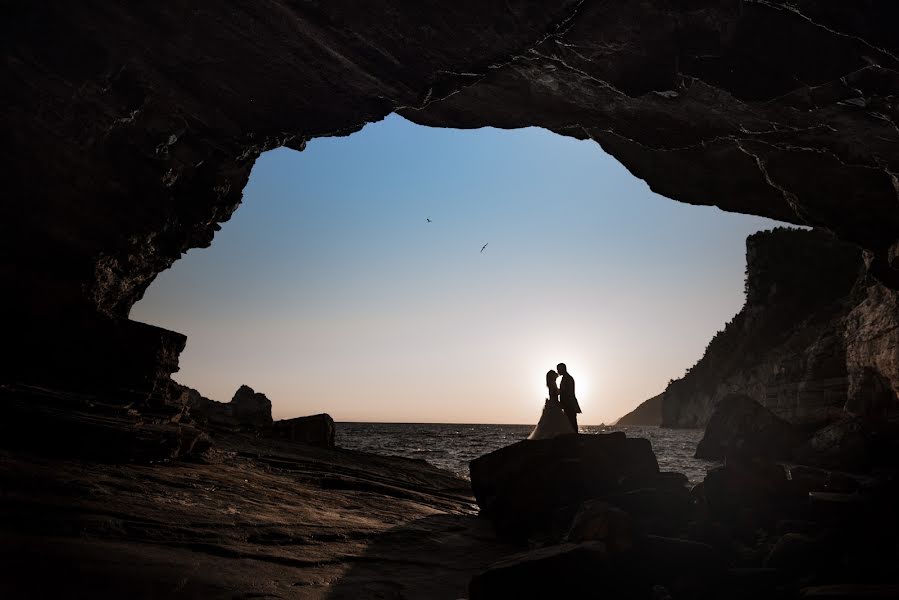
427, 219
483, 247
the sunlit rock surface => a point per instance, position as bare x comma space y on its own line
129, 131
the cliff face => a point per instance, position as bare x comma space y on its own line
816, 338
130, 130
649, 413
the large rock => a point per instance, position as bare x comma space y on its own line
843, 444
599, 521
741, 427
745, 497
248, 410
534, 487
318, 430
563, 571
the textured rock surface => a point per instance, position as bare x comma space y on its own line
258, 518
129, 131
815, 338
247, 411
54, 423
318, 430
741, 428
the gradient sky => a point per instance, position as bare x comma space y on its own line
329, 292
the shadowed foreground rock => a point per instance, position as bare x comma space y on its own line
255, 518
741, 427
751, 529
535, 487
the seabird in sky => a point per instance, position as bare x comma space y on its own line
483, 247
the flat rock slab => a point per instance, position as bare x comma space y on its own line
263, 519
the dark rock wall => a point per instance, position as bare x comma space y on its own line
130, 129
815, 339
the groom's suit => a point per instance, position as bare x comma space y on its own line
568, 400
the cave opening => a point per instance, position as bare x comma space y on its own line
354, 279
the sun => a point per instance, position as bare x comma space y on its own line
579, 366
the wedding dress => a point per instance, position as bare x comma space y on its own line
552, 422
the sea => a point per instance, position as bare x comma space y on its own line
451, 447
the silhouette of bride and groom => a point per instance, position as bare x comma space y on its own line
561, 409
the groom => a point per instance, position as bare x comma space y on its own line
566, 395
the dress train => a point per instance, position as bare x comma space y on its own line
552, 422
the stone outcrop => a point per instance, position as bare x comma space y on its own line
752, 528
247, 411
535, 487
815, 339
318, 430
57, 423
130, 132
255, 517
742, 428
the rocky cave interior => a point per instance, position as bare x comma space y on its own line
130, 132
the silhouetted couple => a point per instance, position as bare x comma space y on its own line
561, 409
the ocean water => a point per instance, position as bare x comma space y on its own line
451, 447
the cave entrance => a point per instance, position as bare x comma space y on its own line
412, 274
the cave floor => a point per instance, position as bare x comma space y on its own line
254, 519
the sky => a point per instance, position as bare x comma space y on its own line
329, 291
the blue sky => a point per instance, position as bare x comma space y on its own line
329, 291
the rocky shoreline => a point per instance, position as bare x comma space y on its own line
246, 512
249, 516
596, 519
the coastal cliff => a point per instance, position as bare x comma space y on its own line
816, 339
648, 413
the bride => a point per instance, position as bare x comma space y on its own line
553, 421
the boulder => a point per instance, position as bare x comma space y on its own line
655, 510
793, 552
687, 568
561, 571
251, 408
741, 427
535, 487
318, 430
844, 444
747, 496
600, 521
248, 410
